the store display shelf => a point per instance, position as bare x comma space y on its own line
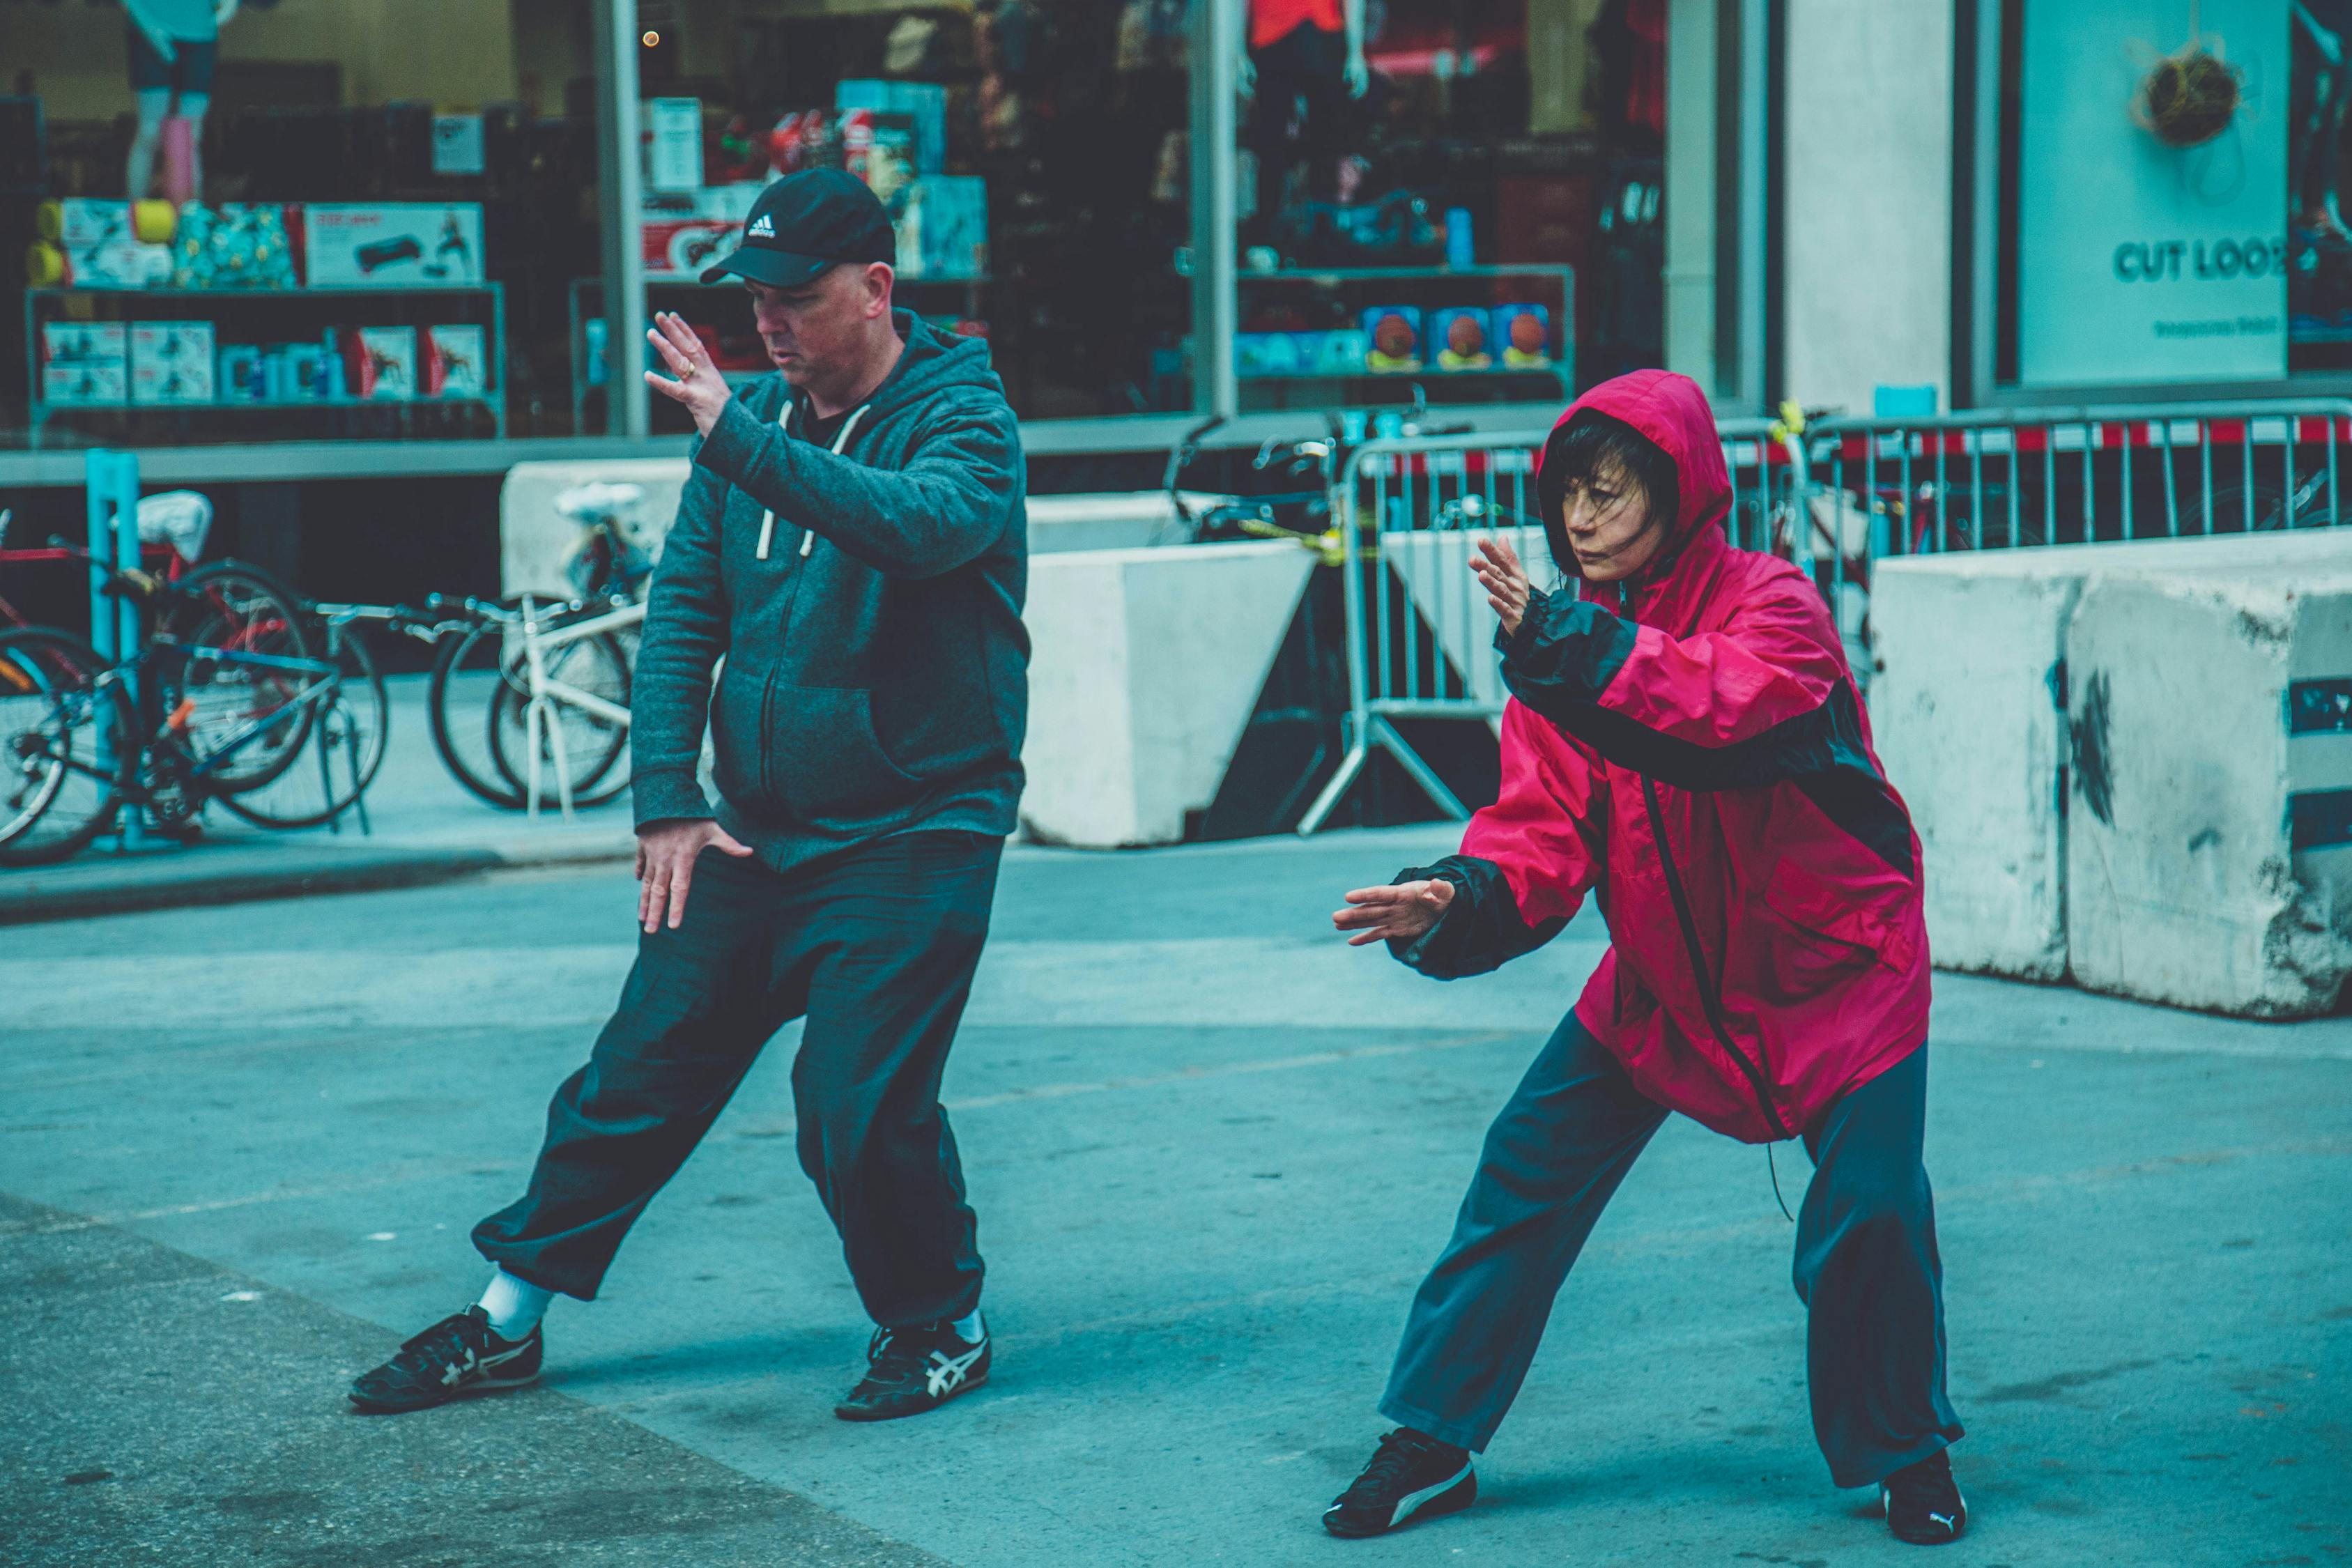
272, 405
49, 305
320, 291
1374, 274
1544, 372
972, 280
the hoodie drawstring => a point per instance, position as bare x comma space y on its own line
784, 422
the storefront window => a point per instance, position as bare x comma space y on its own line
2174, 198
1032, 151
1462, 195
354, 219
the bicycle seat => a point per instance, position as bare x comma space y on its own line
594, 502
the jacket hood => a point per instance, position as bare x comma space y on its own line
1673, 412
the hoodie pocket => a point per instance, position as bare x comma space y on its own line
822, 761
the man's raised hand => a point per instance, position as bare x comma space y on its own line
700, 386
1396, 913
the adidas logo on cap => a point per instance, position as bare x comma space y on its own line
763, 227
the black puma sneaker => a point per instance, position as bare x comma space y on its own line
1923, 1502
915, 1370
1410, 1476
456, 1357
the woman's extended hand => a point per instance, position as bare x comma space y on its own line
1497, 567
1397, 913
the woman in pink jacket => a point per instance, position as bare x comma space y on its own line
1685, 743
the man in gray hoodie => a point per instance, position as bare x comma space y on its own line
853, 541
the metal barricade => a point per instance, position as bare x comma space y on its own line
1833, 496
1420, 634
2018, 478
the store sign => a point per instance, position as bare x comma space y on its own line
2140, 260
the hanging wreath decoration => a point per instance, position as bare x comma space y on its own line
2189, 95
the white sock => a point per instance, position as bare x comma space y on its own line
971, 1329
514, 1305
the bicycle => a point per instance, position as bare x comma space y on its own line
220, 703
480, 698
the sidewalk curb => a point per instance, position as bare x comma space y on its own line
24, 901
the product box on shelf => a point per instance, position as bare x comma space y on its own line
86, 384
878, 147
924, 103
300, 372
84, 343
1394, 331
1332, 352
171, 362
943, 230
101, 249
1460, 338
239, 376
803, 139
415, 245
682, 232
456, 362
383, 361
1260, 354
1524, 332
233, 245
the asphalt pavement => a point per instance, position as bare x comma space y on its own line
1212, 1149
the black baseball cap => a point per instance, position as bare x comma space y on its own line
805, 223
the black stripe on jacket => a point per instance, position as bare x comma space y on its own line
1568, 651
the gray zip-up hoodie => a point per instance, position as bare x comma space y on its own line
876, 674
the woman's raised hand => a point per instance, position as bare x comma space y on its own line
1497, 567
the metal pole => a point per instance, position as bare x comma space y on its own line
111, 482
621, 201
1351, 588
1216, 85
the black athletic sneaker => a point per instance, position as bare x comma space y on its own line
456, 1357
915, 1370
1410, 1476
1923, 1502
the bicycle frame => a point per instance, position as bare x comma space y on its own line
548, 693
325, 683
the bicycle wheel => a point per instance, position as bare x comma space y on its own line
467, 671
593, 745
68, 745
345, 747
246, 670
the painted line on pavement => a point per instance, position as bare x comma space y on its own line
1230, 1070
214, 1205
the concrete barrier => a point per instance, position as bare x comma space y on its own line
1971, 664
534, 538
2209, 857
1145, 666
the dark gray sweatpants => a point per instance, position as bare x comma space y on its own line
1867, 1264
877, 946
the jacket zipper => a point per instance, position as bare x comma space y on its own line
1710, 991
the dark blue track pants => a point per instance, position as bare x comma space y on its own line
1866, 1265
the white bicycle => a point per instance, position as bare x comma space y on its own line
567, 704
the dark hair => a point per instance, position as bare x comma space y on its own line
1594, 441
